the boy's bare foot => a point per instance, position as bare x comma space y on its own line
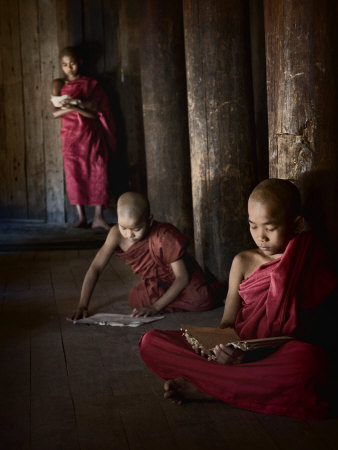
99, 222
81, 223
180, 391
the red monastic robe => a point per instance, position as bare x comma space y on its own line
292, 381
86, 143
151, 258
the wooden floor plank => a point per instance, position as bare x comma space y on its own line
303, 436
15, 423
53, 422
327, 432
144, 422
66, 386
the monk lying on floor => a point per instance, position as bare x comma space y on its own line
275, 289
171, 278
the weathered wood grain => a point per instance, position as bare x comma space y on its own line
93, 35
34, 145
54, 188
301, 59
69, 16
128, 106
165, 112
65, 386
301, 67
221, 128
13, 146
257, 41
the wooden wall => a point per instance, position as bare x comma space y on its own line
285, 76
32, 32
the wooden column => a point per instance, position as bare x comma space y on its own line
222, 143
301, 50
128, 85
165, 112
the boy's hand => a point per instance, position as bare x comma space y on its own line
228, 355
80, 313
69, 107
144, 311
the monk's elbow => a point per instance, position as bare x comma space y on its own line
56, 114
184, 280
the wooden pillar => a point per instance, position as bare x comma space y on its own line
128, 85
223, 158
165, 112
301, 50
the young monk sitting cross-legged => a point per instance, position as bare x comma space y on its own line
274, 290
171, 279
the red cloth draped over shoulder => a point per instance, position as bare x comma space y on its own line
151, 258
275, 293
86, 143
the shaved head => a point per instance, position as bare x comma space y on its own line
133, 205
71, 52
282, 193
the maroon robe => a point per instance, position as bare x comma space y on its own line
291, 381
85, 145
151, 258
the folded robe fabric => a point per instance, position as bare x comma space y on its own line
292, 381
276, 293
151, 258
86, 143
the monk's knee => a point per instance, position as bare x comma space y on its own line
148, 342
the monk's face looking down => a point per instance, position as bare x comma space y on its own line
270, 227
133, 228
70, 67
133, 216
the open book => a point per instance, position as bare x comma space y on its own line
206, 338
117, 320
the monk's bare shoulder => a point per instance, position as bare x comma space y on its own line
115, 240
114, 236
247, 261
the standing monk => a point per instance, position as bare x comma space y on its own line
88, 134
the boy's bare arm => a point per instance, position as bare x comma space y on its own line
60, 112
99, 263
57, 85
180, 282
233, 300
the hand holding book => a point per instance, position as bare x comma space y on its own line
208, 338
226, 354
